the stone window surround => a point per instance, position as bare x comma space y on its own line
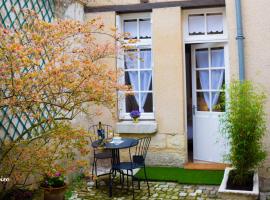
141, 127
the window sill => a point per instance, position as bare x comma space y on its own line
142, 127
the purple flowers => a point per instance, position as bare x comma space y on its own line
57, 174
135, 114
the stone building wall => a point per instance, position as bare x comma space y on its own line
169, 143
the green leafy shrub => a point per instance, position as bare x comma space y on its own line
244, 124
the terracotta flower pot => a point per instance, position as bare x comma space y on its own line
54, 193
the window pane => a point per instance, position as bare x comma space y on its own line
147, 102
215, 23
217, 57
131, 102
218, 101
203, 101
131, 59
130, 26
145, 28
217, 79
145, 58
131, 78
146, 80
196, 24
202, 58
202, 79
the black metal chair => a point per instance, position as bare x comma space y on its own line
100, 154
137, 160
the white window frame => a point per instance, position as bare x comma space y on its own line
141, 44
206, 37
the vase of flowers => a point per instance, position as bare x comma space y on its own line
135, 115
54, 186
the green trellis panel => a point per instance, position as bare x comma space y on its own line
11, 16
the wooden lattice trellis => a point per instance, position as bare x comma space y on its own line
11, 16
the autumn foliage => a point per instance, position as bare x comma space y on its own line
59, 66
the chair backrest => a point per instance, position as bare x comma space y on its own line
141, 150
107, 129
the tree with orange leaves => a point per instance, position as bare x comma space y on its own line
58, 66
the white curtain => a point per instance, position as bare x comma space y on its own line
217, 76
202, 62
196, 24
145, 61
145, 76
131, 59
214, 23
217, 56
130, 26
145, 28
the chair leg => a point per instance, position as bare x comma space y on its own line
93, 166
146, 180
96, 173
110, 183
132, 184
122, 179
127, 178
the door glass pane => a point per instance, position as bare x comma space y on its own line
214, 23
131, 102
131, 78
202, 79
145, 28
218, 101
145, 58
217, 57
147, 102
130, 26
203, 101
146, 80
202, 58
131, 59
196, 24
217, 79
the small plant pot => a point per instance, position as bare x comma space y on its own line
228, 194
136, 120
54, 193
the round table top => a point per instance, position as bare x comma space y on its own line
122, 144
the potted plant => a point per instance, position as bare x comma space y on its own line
244, 125
135, 115
54, 186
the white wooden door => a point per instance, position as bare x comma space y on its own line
209, 69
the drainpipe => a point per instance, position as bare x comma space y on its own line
240, 40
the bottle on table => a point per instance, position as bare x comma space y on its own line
101, 133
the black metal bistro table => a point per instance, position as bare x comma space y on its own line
124, 143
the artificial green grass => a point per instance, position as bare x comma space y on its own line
180, 175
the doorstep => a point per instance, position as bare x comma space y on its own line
206, 166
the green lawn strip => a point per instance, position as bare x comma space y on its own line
180, 175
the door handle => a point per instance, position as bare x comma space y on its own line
194, 109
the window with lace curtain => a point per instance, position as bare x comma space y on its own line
137, 65
201, 25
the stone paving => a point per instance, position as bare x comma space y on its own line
158, 190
